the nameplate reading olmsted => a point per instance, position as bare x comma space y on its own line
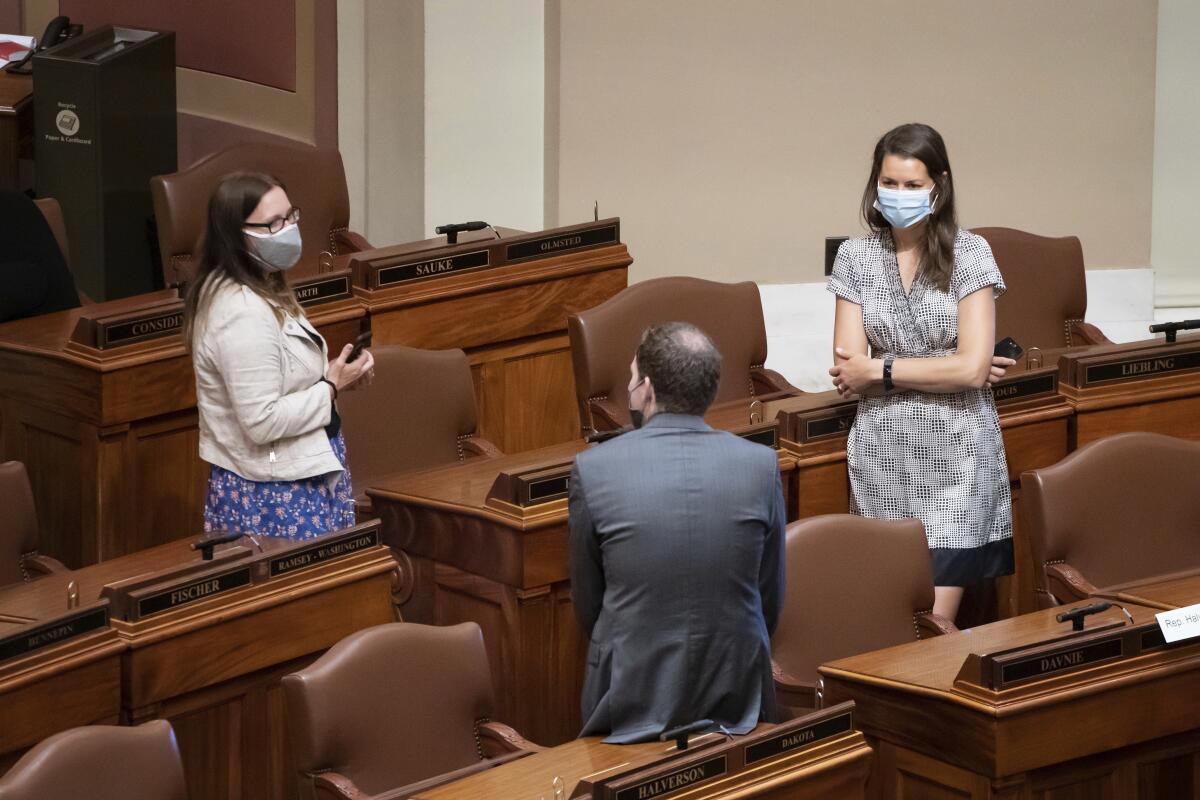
56, 632
1063, 660
561, 243
798, 738
1132, 368
139, 329
676, 780
322, 290
326, 551
1025, 387
192, 592
416, 270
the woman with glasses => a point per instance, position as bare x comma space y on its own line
265, 387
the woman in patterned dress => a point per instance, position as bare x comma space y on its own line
914, 332
265, 387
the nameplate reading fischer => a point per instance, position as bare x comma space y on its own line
52, 633
184, 594
676, 780
433, 267
1133, 368
334, 548
798, 738
562, 243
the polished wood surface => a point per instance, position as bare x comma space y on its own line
16, 125
212, 668
1164, 593
1119, 729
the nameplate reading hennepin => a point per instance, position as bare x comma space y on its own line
1132, 368
56, 632
678, 780
192, 592
334, 548
798, 738
140, 329
433, 267
562, 243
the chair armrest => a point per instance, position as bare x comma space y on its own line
497, 739
40, 565
930, 624
1067, 584
606, 415
348, 241
1087, 333
335, 786
769, 382
479, 446
791, 691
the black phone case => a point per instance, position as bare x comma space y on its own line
1008, 348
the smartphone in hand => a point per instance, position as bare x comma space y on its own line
361, 343
1008, 348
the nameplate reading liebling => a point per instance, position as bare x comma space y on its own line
1145, 367
322, 290
139, 329
677, 780
52, 633
798, 738
187, 593
432, 267
329, 550
562, 243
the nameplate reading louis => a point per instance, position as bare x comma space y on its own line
562, 243
322, 290
52, 633
187, 593
1064, 660
338, 547
798, 738
432, 268
1025, 387
139, 329
1146, 367
675, 781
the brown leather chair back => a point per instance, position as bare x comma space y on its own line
19, 526
1119, 509
315, 181
605, 338
417, 413
52, 211
1047, 293
100, 762
391, 705
854, 585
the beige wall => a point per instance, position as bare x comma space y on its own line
731, 138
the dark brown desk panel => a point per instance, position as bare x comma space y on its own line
110, 436
511, 321
16, 126
1124, 729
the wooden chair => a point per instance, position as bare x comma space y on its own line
605, 338
19, 536
854, 585
395, 706
1120, 509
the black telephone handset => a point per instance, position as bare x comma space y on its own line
58, 30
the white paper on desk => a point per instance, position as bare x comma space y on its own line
7, 53
1179, 623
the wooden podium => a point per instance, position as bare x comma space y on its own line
1107, 713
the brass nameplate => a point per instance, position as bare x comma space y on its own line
796, 738
1128, 369
325, 289
328, 549
433, 267
1025, 387
54, 632
668, 783
532, 486
563, 242
184, 594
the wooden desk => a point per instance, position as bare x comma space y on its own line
1163, 593
213, 667
1127, 729
16, 126
109, 437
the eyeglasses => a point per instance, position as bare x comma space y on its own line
279, 223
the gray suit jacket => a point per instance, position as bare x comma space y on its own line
677, 534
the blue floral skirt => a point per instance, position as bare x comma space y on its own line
303, 509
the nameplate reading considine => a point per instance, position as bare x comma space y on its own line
798, 738
52, 633
1133, 368
322, 290
562, 243
334, 548
432, 268
193, 592
1063, 660
827, 427
139, 329
676, 780
1025, 387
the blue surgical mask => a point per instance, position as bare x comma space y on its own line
903, 208
277, 251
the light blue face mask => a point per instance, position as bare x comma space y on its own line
903, 208
277, 251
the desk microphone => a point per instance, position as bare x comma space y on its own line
452, 230
1171, 328
206, 545
1076, 615
680, 733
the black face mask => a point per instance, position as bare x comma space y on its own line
635, 414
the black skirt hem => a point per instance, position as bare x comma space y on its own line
967, 566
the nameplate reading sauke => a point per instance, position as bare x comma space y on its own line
329, 550
432, 268
186, 593
677, 780
1127, 369
54, 632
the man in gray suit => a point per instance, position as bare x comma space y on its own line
676, 543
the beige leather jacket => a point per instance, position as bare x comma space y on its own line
263, 408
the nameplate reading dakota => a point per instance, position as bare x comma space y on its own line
326, 551
798, 738
193, 592
562, 243
54, 633
684, 778
1064, 660
1130, 369
1024, 388
151, 326
323, 290
432, 268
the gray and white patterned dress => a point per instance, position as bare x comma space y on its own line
937, 457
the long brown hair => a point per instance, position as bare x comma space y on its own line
921, 142
224, 253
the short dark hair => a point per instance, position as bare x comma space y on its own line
683, 366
